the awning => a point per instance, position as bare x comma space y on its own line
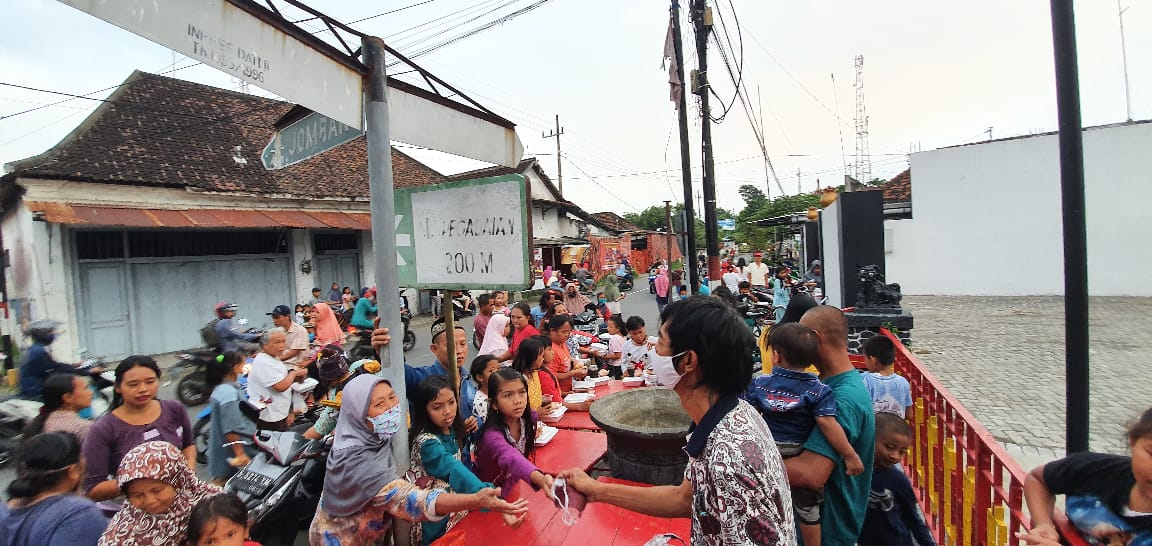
140, 217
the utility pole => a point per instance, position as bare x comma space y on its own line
799, 190
685, 158
702, 19
1124, 58
668, 236
559, 173
1076, 355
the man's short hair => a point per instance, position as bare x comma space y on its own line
483, 299
634, 323
317, 289
889, 423
744, 285
830, 323
881, 348
796, 343
718, 336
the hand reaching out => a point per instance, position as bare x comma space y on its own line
512, 520
489, 499
471, 425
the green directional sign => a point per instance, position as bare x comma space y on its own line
472, 234
308, 136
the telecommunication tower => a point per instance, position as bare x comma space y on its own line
863, 167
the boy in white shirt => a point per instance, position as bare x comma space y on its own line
637, 350
890, 392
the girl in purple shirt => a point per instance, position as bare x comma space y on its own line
137, 417
509, 435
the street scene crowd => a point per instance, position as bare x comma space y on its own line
802, 449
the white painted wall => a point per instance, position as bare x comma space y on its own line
40, 278
987, 217
301, 249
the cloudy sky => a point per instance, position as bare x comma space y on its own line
935, 74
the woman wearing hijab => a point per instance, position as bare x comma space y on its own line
815, 274
495, 336
362, 490
327, 327
161, 491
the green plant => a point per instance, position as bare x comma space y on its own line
896, 332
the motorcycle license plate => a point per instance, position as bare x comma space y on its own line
253, 483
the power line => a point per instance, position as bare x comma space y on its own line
597, 182
94, 92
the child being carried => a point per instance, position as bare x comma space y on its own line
792, 402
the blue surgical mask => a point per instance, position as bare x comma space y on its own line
388, 423
602, 300
311, 338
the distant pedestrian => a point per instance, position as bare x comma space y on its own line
757, 272
662, 285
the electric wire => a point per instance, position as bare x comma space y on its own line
597, 182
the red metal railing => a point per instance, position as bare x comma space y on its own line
971, 490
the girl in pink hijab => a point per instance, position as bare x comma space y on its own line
327, 327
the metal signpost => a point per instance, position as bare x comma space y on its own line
247, 41
308, 136
443, 243
258, 45
464, 235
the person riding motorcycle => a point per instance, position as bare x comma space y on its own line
38, 363
228, 333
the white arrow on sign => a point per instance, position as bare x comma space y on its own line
402, 239
233, 40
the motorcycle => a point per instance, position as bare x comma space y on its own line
192, 387
16, 412
585, 321
625, 283
758, 318
281, 486
463, 304
405, 318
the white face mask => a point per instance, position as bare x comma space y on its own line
665, 369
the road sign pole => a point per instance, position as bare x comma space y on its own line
383, 207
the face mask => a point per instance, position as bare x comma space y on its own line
665, 370
311, 338
388, 423
602, 300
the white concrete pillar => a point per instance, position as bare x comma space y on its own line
301, 241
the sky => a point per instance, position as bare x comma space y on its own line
935, 74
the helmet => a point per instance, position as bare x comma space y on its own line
224, 307
42, 331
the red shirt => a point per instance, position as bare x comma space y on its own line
548, 385
522, 334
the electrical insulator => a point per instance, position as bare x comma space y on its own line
708, 16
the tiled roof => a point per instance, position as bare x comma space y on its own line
160, 131
615, 221
897, 190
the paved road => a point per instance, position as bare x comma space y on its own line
1004, 359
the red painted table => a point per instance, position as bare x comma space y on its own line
571, 449
581, 420
600, 524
